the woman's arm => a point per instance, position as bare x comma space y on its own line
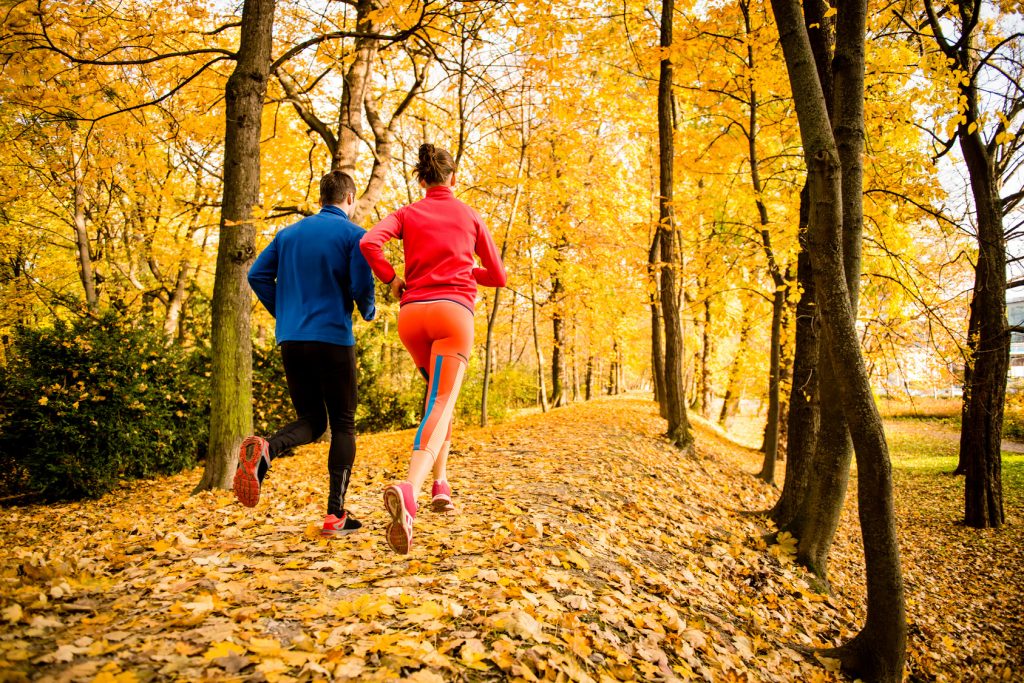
492, 274
373, 242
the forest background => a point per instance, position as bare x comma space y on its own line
112, 122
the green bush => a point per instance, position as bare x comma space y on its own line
1013, 417
86, 404
383, 404
512, 387
272, 405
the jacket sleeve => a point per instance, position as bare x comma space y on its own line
492, 274
372, 243
263, 277
361, 281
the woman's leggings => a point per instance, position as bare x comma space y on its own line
439, 337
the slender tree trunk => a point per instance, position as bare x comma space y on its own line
85, 269
493, 317
771, 436
657, 352
707, 396
558, 394
542, 392
678, 423
231, 380
878, 651
590, 378
729, 400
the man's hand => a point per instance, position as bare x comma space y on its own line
397, 287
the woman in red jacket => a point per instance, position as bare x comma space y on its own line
439, 235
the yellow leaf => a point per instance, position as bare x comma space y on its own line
223, 649
830, 12
13, 613
264, 646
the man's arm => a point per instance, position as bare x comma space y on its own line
263, 277
361, 280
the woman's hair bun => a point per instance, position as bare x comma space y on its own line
435, 165
426, 153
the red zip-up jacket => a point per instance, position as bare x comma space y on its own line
439, 235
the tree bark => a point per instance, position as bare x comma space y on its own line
988, 333
804, 416
878, 651
678, 423
706, 395
558, 395
354, 89
590, 378
85, 268
729, 399
657, 352
231, 377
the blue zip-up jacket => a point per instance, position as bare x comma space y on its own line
311, 276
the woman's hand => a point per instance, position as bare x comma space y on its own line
397, 288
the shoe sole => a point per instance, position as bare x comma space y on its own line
247, 484
442, 504
398, 535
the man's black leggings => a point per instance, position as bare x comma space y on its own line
322, 383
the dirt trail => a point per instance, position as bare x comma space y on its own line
585, 549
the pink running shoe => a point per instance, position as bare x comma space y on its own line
254, 451
401, 505
441, 497
335, 526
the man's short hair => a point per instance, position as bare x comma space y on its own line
335, 186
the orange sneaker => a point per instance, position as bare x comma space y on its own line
335, 526
253, 463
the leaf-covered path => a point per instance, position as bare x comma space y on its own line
585, 549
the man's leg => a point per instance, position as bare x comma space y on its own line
339, 384
302, 371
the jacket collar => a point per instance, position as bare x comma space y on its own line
334, 210
440, 192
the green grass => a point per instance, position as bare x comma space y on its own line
928, 448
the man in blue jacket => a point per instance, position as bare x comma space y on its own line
311, 277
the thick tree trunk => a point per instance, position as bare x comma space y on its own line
878, 651
678, 423
983, 429
231, 380
804, 416
354, 88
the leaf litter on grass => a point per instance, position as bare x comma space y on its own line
584, 549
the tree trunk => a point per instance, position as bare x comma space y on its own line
878, 651
558, 394
707, 396
657, 352
983, 429
231, 379
590, 378
804, 416
85, 270
678, 424
493, 317
729, 400
353, 94
771, 436
542, 392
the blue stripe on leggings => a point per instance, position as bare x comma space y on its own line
430, 404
